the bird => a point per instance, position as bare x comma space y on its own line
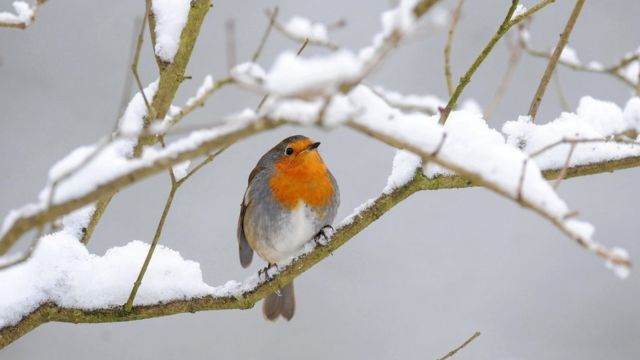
291, 198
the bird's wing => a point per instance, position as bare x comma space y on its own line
245, 251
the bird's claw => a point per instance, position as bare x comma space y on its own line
265, 272
323, 236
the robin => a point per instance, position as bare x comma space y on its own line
291, 199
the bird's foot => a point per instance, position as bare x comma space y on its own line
265, 272
323, 236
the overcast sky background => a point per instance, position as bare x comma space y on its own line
413, 285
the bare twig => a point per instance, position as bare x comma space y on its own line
467, 342
507, 23
302, 47
407, 106
136, 57
230, 35
204, 162
152, 247
196, 102
266, 96
553, 60
507, 77
128, 79
613, 139
26, 255
447, 47
564, 103
265, 35
175, 185
563, 172
521, 180
613, 70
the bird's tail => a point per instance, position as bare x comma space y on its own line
280, 303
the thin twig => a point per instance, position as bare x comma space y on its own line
521, 180
26, 255
265, 35
266, 96
613, 139
128, 79
507, 77
507, 23
204, 162
564, 103
613, 70
194, 104
467, 342
175, 185
447, 47
563, 172
303, 46
136, 57
156, 238
553, 60
230, 35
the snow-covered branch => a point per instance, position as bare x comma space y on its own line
301, 29
173, 34
323, 91
24, 15
70, 293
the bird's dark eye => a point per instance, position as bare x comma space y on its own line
288, 151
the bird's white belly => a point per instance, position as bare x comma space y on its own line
297, 228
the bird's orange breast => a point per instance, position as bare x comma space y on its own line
309, 181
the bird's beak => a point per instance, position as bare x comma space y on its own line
312, 146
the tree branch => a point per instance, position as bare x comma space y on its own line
51, 312
175, 185
507, 77
553, 60
171, 77
447, 48
467, 342
507, 23
19, 23
612, 70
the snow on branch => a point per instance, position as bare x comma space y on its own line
170, 18
463, 152
468, 147
494, 155
428, 104
301, 29
69, 293
595, 123
627, 69
171, 76
24, 15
